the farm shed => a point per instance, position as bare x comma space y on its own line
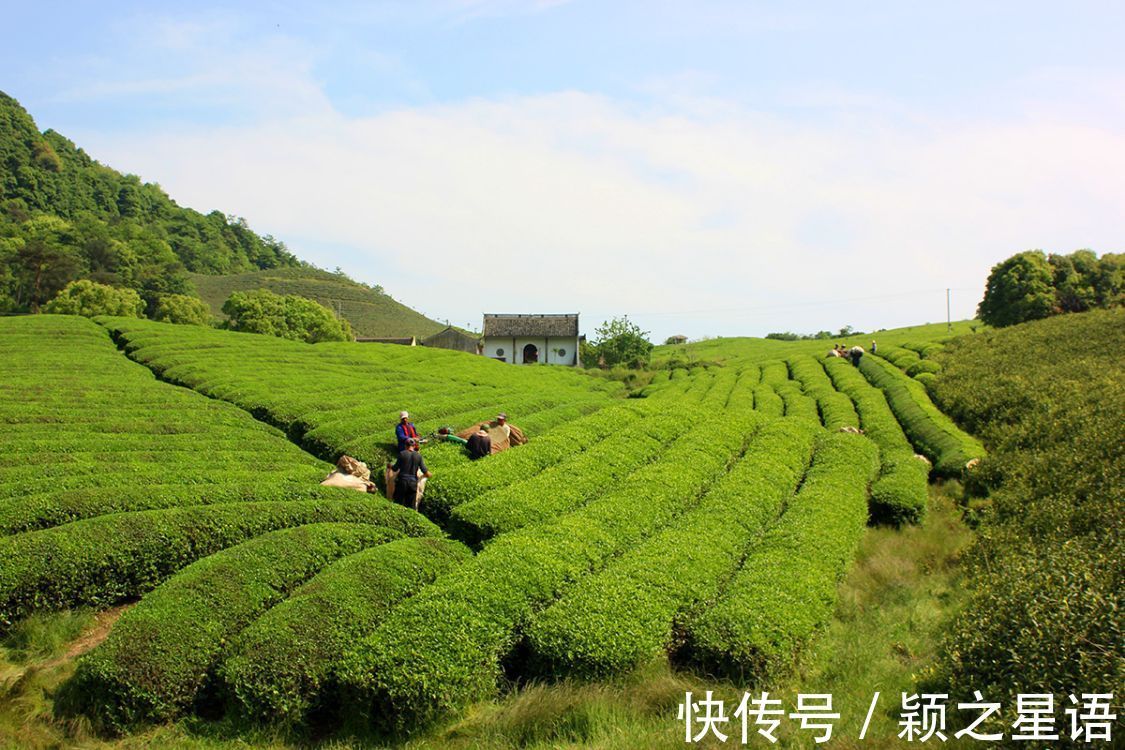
401, 340
528, 339
451, 338
677, 339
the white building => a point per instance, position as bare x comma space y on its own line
527, 339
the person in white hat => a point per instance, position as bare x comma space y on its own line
404, 431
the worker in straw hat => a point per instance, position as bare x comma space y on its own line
404, 431
502, 423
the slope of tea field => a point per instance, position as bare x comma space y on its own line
370, 313
336, 398
111, 480
1046, 573
627, 531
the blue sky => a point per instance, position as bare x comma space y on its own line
709, 168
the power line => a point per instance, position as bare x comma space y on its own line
790, 306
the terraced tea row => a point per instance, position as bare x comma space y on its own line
345, 398
932, 433
708, 522
444, 647
86, 432
899, 494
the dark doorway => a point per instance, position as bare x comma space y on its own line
530, 354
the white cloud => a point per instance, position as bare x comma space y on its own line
572, 201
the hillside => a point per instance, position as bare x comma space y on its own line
370, 312
751, 349
65, 216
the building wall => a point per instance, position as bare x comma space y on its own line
452, 340
548, 349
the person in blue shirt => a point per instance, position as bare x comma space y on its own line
404, 431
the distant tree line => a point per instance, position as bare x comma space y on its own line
818, 336
1033, 285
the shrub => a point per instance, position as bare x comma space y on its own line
902, 488
797, 404
471, 481
89, 299
836, 408
181, 309
566, 485
933, 433
282, 667
287, 316
923, 366
109, 558
786, 589
159, 655
443, 648
767, 401
624, 615
1045, 573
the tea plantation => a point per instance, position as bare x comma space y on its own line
706, 521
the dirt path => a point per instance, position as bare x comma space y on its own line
103, 623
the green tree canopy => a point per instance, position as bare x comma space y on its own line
1018, 289
89, 298
287, 316
180, 308
75, 218
1031, 285
621, 342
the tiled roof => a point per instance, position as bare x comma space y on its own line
507, 326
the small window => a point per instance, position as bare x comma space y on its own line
562, 352
499, 352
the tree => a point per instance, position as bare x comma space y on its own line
288, 316
621, 342
180, 308
1074, 277
1018, 289
88, 298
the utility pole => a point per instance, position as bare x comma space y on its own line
948, 319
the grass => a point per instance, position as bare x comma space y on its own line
885, 633
370, 312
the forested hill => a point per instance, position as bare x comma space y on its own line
64, 216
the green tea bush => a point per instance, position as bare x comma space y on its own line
767, 401
931, 432
282, 667
786, 589
60, 506
473, 480
567, 485
774, 372
902, 358
160, 654
899, 494
87, 432
109, 558
1044, 614
443, 648
836, 408
359, 388
923, 366
625, 614
797, 404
